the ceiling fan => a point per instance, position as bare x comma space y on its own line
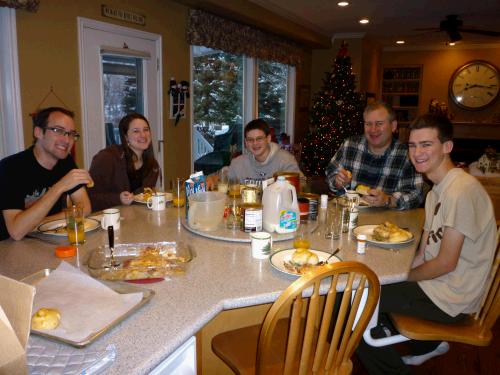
453, 26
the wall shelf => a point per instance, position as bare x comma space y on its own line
401, 90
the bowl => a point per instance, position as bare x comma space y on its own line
206, 210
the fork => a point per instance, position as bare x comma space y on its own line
323, 262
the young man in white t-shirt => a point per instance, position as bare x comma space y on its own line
455, 253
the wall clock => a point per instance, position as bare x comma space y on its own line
475, 85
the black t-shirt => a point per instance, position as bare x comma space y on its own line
136, 180
23, 180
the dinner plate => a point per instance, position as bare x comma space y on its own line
281, 256
368, 231
58, 227
139, 198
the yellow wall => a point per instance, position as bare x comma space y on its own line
48, 57
438, 67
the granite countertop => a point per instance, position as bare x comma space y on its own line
223, 275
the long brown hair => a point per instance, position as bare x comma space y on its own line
148, 159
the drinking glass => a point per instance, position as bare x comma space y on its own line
334, 220
234, 187
179, 193
301, 239
223, 183
75, 224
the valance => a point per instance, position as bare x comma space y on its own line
208, 30
29, 5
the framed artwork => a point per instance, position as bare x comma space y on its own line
304, 96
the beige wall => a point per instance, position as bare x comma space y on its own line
48, 57
438, 67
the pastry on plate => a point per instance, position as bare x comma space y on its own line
390, 232
45, 319
363, 189
301, 260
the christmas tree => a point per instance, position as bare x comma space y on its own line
337, 114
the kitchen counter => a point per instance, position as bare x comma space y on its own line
223, 275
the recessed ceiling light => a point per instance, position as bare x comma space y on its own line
451, 44
343, 3
400, 42
364, 21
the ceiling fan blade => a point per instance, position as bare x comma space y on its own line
480, 32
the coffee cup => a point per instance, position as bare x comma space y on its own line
157, 202
261, 243
110, 217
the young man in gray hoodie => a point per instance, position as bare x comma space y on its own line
263, 159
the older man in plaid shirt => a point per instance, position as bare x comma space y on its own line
378, 160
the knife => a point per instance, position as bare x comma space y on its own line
111, 239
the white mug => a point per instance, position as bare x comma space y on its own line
262, 242
110, 217
157, 202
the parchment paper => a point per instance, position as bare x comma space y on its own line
85, 304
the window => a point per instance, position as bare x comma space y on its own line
228, 92
272, 87
122, 87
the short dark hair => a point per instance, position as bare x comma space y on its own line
377, 105
41, 118
257, 124
434, 121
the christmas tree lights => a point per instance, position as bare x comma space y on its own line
336, 114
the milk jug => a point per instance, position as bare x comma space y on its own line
280, 207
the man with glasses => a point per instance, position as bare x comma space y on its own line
263, 159
379, 161
38, 183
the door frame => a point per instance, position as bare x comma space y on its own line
84, 23
11, 122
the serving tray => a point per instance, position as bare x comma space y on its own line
119, 287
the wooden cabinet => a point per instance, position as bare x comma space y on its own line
401, 90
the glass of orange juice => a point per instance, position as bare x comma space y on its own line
179, 194
75, 224
301, 239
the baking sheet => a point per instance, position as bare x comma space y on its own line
88, 307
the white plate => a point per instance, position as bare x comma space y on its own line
56, 227
281, 256
368, 231
139, 198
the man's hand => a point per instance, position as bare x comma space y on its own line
377, 198
126, 197
73, 178
343, 178
211, 181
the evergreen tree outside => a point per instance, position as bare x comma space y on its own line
337, 113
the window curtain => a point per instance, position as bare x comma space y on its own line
208, 30
30, 5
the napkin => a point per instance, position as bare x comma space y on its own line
85, 304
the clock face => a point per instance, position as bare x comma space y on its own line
475, 85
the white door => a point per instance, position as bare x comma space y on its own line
120, 72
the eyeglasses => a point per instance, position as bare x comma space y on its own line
255, 140
63, 133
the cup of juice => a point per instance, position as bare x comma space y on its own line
75, 224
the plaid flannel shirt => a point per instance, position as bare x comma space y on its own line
391, 172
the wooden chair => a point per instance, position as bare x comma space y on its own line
474, 330
306, 341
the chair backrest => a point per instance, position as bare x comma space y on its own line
490, 307
311, 342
